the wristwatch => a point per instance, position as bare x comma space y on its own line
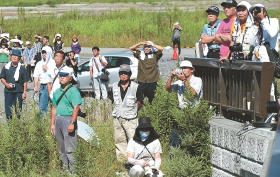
72, 122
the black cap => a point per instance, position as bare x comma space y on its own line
214, 9
232, 3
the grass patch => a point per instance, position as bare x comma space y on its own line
113, 29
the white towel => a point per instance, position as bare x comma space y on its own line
16, 76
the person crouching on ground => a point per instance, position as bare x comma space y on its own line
66, 105
127, 99
143, 151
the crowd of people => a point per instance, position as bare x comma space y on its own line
136, 141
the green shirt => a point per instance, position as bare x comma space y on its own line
148, 68
64, 107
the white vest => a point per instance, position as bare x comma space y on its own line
126, 108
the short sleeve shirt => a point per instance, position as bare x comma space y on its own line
225, 28
71, 98
96, 65
141, 152
211, 31
148, 66
179, 87
8, 75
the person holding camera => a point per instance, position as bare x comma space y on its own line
14, 76
72, 62
269, 28
148, 72
244, 35
209, 32
66, 104
186, 81
127, 98
97, 65
143, 151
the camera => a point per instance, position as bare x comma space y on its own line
179, 71
12, 85
272, 108
256, 11
236, 49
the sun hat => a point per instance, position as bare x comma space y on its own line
37, 36
58, 35
16, 53
144, 122
177, 23
186, 63
245, 4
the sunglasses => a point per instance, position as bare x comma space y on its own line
123, 72
227, 6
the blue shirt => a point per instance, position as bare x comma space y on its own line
207, 29
28, 53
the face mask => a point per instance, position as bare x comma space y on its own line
144, 135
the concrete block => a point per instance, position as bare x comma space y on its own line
250, 166
220, 173
261, 149
230, 161
216, 156
220, 136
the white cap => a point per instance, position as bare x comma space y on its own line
257, 5
58, 35
186, 63
27, 43
246, 4
177, 23
67, 71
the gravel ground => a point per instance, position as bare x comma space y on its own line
165, 66
98, 8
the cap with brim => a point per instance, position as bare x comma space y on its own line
65, 71
125, 68
232, 3
16, 53
58, 35
144, 122
186, 64
27, 43
245, 4
214, 9
256, 5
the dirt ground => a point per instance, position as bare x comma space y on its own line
96, 8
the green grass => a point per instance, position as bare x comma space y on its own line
54, 2
113, 29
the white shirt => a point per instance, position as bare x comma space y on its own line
49, 51
179, 87
92, 64
271, 32
6, 51
135, 148
52, 72
43, 74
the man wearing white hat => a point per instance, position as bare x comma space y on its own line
187, 81
28, 59
58, 44
66, 104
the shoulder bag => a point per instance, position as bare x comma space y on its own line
104, 74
